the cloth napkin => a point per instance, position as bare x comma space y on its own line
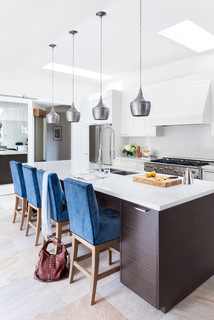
46, 212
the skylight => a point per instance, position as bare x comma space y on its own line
190, 35
77, 71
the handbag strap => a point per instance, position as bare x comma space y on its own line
58, 244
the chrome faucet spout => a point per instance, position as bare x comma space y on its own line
100, 148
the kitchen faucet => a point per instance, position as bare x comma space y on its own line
100, 148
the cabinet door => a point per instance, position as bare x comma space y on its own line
138, 250
208, 175
126, 116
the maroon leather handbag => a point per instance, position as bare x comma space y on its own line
51, 267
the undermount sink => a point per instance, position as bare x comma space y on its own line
124, 173
121, 172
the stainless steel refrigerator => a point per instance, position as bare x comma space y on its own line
94, 144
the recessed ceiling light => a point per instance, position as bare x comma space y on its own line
1, 110
190, 35
77, 71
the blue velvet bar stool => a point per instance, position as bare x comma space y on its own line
97, 230
34, 200
20, 191
58, 205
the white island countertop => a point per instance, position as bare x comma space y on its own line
6, 152
125, 188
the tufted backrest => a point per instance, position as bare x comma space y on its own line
32, 186
82, 209
18, 178
57, 203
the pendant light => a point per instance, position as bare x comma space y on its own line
139, 106
52, 117
100, 112
72, 115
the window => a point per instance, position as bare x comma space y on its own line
24, 128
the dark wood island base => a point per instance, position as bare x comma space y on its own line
166, 255
5, 175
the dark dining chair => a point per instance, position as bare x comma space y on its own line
34, 200
97, 230
20, 191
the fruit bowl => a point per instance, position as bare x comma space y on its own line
147, 152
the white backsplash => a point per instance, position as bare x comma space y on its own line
192, 141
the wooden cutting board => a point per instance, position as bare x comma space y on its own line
163, 183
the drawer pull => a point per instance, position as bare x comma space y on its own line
142, 210
136, 208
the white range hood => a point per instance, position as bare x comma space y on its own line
181, 105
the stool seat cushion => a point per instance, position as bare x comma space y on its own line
18, 178
109, 226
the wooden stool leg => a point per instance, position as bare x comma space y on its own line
109, 256
94, 273
28, 219
16, 207
75, 244
58, 234
38, 226
24, 203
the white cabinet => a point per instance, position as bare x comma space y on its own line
208, 175
135, 126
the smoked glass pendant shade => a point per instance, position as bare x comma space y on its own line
139, 106
100, 112
52, 117
72, 115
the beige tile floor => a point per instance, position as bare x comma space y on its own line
23, 298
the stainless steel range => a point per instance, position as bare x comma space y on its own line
175, 166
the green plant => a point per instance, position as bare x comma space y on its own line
129, 149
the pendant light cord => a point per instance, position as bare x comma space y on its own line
140, 43
52, 76
101, 54
73, 74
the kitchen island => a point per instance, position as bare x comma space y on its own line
5, 157
167, 234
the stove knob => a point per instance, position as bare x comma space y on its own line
147, 166
151, 166
170, 168
176, 171
166, 168
160, 169
155, 168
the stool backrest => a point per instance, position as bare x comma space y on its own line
57, 203
32, 186
82, 209
18, 178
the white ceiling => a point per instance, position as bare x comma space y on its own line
27, 27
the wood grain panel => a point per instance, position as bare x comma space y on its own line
138, 250
186, 254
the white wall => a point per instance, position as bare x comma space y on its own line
182, 141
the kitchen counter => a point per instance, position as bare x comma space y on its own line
166, 237
123, 187
6, 152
